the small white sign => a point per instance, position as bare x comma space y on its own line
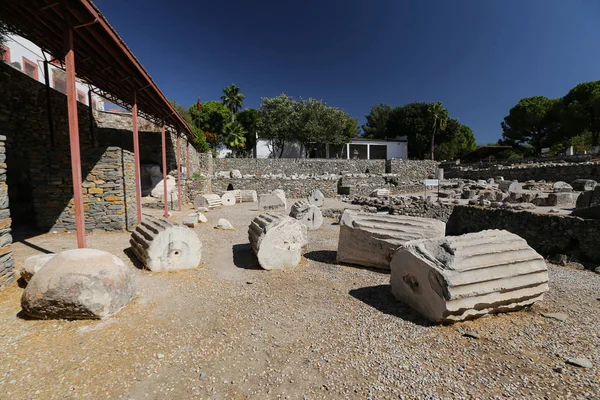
431, 182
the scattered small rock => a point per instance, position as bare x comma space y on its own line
202, 218
557, 316
471, 335
580, 362
202, 375
224, 224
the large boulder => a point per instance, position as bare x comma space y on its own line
561, 187
371, 239
33, 264
510, 186
164, 246
583, 185
79, 284
562, 199
309, 214
277, 240
457, 278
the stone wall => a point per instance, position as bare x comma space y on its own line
116, 129
294, 188
411, 170
547, 234
298, 166
549, 172
412, 206
360, 185
196, 186
39, 174
7, 262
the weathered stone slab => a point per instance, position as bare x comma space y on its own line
248, 196
224, 224
207, 200
228, 199
380, 193
272, 202
562, 199
277, 240
561, 187
583, 185
33, 264
79, 284
164, 246
309, 214
316, 197
372, 239
463, 277
191, 220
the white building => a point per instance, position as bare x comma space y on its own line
29, 59
358, 148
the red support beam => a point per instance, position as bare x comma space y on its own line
179, 171
136, 157
74, 138
187, 160
164, 165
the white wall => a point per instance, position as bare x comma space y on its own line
22, 48
397, 150
290, 150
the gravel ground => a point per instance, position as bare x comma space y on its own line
229, 330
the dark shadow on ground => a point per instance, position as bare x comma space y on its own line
322, 256
22, 315
244, 257
134, 260
381, 298
22, 283
378, 270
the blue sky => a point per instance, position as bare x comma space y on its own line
477, 57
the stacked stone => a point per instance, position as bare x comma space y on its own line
7, 262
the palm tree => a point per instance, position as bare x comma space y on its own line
439, 118
235, 137
233, 99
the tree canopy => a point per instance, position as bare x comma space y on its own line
233, 99
248, 119
420, 123
283, 119
212, 118
199, 142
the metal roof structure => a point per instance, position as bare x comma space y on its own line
102, 58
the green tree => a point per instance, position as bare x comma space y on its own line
377, 122
248, 118
235, 137
455, 141
233, 99
582, 111
530, 122
212, 118
412, 120
439, 119
279, 122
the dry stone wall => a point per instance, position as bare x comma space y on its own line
7, 262
550, 172
298, 166
293, 188
411, 170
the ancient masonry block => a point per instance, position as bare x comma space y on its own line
274, 201
248, 196
228, 199
380, 193
238, 195
7, 262
316, 198
583, 185
510, 186
277, 240
164, 246
208, 201
309, 214
372, 239
463, 277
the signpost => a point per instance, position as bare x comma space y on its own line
432, 183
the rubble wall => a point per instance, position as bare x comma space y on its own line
298, 166
293, 188
547, 234
7, 262
567, 172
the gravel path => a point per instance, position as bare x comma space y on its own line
229, 330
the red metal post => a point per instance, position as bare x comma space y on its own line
179, 171
164, 162
187, 159
74, 139
136, 155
